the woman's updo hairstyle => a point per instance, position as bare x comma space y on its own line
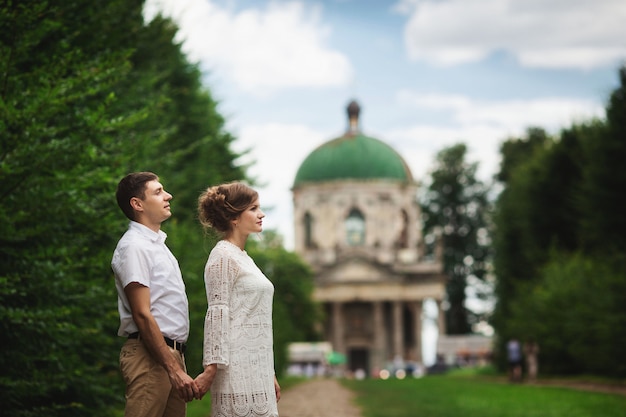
219, 205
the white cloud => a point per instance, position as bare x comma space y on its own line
547, 112
278, 150
482, 125
554, 34
260, 50
419, 146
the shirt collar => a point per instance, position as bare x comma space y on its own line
147, 232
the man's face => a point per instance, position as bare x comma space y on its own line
155, 207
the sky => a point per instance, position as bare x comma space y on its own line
427, 74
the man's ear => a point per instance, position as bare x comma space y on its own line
136, 204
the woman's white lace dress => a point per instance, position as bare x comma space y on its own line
238, 334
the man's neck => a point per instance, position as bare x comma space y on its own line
154, 227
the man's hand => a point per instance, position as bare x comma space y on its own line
139, 299
184, 385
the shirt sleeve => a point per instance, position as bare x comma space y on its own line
131, 264
219, 276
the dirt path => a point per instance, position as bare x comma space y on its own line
318, 398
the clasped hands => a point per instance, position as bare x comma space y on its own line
204, 380
198, 387
189, 389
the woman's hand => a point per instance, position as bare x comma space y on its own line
277, 388
205, 380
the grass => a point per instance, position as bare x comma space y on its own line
474, 396
463, 393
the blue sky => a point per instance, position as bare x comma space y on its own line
427, 74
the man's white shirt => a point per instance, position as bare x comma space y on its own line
141, 256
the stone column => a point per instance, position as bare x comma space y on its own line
338, 328
398, 348
378, 357
417, 317
441, 318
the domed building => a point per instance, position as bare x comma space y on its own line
357, 223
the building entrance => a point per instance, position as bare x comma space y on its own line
359, 359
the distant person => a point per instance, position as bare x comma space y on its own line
238, 342
152, 304
531, 354
514, 357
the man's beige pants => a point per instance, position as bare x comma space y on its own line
148, 389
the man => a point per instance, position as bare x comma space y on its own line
152, 303
514, 356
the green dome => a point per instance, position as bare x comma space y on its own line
353, 156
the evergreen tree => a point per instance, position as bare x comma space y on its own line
536, 214
604, 226
191, 149
87, 94
559, 243
456, 203
536, 210
59, 149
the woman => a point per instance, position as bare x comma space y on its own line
531, 353
238, 344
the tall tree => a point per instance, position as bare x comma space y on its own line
191, 149
456, 203
534, 215
536, 210
604, 226
86, 95
59, 150
559, 241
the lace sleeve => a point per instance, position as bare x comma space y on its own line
219, 275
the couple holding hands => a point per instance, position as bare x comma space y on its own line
238, 356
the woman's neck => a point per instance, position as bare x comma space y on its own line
238, 240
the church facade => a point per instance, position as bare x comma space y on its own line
357, 223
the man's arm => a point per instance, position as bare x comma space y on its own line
139, 298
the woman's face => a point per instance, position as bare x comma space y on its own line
251, 220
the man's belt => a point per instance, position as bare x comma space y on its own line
181, 347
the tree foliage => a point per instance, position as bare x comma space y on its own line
83, 96
535, 211
189, 146
576, 312
559, 241
456, 205
58, 152
603, 226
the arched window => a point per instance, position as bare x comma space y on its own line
308, 231
403, 239
355, 228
